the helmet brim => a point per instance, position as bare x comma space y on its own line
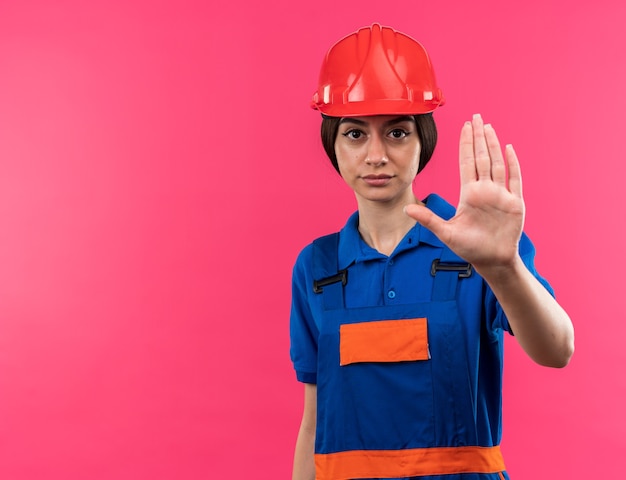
376, 107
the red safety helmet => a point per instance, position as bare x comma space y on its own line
376, 71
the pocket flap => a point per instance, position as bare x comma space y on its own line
384, 341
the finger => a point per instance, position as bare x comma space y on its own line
515, 172
498, 170
481, 152
428, 219
467, 164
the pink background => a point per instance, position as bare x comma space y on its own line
160, 169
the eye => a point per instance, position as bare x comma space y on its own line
398, 133
353, 134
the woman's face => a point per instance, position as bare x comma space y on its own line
378, 157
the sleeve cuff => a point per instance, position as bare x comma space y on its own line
306, 377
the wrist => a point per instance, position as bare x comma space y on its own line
503, 275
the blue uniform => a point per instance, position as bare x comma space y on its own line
407, 354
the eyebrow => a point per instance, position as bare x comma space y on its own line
403, 118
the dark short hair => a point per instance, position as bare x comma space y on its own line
425, 125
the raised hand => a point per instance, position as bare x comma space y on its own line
490, 216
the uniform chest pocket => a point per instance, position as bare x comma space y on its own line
384, 341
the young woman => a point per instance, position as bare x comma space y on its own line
397, 321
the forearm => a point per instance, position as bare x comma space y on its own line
304, 456
303, 462
541, 326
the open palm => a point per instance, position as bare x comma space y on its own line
490, 216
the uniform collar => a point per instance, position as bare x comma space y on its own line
353, 249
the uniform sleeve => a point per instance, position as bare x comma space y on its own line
492, 306
303, 330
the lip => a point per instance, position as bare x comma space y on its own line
379, 180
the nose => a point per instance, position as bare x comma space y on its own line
376, 153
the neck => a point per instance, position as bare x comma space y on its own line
382, 226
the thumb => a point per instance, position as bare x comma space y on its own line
425, 217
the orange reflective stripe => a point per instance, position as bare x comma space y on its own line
408, 463
384, 341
